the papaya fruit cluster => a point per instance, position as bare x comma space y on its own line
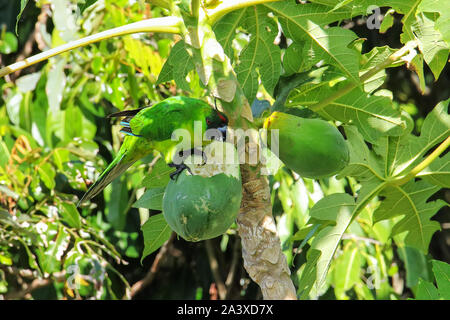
204, 204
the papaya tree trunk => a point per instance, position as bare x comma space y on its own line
261, 248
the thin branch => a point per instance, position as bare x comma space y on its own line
358, 238
150, 276
221, 288
36, 284
195, 7
35, 36
425, 163
165, 24
234, 262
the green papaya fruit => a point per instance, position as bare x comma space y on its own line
311, 147
203, 205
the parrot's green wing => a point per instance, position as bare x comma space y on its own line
170, 124
157, 123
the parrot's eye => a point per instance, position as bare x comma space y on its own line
208, 122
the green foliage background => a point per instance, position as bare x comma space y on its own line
55, 140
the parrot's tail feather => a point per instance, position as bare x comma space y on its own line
127, 131
126, 124
115, 169
126, 113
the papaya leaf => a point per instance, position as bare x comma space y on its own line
174, 70
156, 231
347, 270
363, 163
409, 202
408, 9
407, 151
438, 172
441, 272
388, 21
144, 57
225, 30
261, 58
159, 176
415, 264
304, 24
319, 12
151, 199
293, 59
370, 60
116, 196
443, 8
434, 49
416, 65
373, 115
338, 209
424, 21
322, 82
308, 275
426, 289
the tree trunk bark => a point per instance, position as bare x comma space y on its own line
261, 247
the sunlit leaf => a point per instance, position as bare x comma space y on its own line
409, 202
151, 199
338, 209
23, 4
159, 176
441, 272
47, 174
70, 214
415, 265
156, 231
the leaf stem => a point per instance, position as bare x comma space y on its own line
231, 5
425, 163
165, 24
393, 58
195, 7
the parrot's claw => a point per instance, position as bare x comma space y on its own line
179, 168
194, 151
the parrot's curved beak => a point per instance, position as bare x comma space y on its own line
223, 131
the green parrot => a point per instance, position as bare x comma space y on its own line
151, 128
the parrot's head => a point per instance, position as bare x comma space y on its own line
217, 120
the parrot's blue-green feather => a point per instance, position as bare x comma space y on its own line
128, 132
